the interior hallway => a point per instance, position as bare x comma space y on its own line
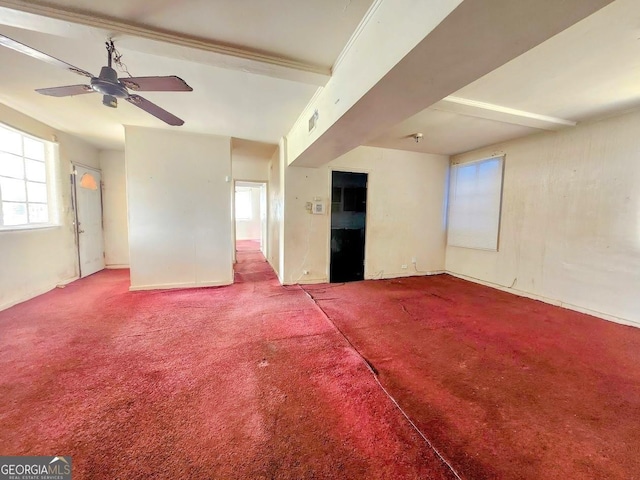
246, 381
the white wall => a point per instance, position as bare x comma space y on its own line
35, 261
114, 205
275, 212
405, 214
250, 168
179, 195
570, 230
250, 229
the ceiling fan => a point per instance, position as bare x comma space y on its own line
108, 84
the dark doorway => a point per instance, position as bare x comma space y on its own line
348, 218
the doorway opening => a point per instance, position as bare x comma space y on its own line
251, 216
87, 193
348, 226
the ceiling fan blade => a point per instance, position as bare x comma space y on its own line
156, 84
32, 52
66, 91
154, 110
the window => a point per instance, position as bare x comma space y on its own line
244, 210
24, 193
475, 197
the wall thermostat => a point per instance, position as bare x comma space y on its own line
317, 207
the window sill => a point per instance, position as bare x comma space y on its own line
23, 228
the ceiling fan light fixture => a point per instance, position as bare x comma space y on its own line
110, 101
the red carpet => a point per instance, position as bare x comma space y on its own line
246, 382
504, 387
247, 245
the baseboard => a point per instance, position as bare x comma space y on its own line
36, 293
550, 301
378, 276
116, 266
311, 281
404, 274
172, 286
280, 279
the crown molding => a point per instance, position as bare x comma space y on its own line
244, 59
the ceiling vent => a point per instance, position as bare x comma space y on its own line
313, 120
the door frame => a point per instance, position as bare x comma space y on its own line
367, 215
74, 204
233, 215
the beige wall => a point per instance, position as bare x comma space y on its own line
570, 229
179, 193
405, 214
35, 261
114, 205
275, 210
249, 168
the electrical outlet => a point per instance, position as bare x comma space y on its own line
305, 272
414, 260
404, 266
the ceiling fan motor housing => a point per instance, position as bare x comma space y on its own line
107, 84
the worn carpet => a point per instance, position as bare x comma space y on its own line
503, 386
248, 381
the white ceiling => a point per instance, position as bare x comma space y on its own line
225, 101
312, 31
588, 71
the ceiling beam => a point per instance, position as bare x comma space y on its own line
477, 37
219, 54
489, 111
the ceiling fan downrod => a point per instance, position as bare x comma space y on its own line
107, 82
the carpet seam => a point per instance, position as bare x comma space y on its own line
374, 373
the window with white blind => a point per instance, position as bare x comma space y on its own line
475, 198
25, 196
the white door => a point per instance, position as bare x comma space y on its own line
89, 215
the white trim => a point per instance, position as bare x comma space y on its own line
29, 134
314, 74
76, 164
490, 111
37, 293
479, 160
405, 274
356, 33
29, 226
117, 266
170, 286
550, 301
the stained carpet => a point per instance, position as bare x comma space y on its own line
504, 387
248, 381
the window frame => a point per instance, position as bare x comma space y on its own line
50, 154
460, 243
